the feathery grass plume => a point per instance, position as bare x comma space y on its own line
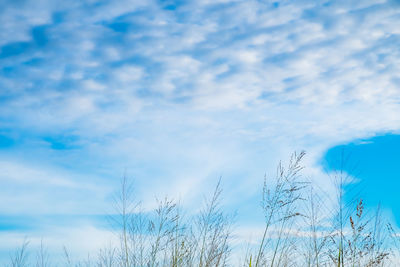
161, 229
20, 257
301, 229
124, 205
280, 208
106, 257
317, 237
67, 258
42, 256
212, 233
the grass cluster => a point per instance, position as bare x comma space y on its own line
303, 227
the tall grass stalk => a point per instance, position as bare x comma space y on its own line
300, 229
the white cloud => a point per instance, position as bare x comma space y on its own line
128, 74
45, 190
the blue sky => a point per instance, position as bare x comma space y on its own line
374, 164
179, 93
